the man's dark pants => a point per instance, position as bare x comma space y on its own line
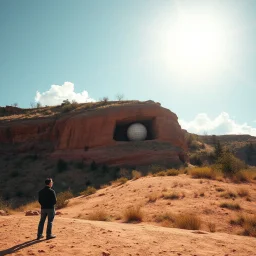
50, 213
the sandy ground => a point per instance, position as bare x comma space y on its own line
78, 236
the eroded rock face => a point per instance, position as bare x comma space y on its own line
99, 135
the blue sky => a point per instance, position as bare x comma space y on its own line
197, 58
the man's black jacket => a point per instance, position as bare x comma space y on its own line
47, 198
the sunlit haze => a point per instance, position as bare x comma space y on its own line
197, 58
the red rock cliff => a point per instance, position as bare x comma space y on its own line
89, 135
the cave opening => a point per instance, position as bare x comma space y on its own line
120, 133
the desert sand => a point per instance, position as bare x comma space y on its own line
76, 235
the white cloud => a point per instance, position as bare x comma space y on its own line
222, 124
57, 93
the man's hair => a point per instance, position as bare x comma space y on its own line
48, 181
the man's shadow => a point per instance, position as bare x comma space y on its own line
19, 247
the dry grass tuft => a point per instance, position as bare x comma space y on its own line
188, 221
220, 189
168, 219
212, 227
100, 215
242, 176
248, 223
228, 194
242, 192
152, 197
28, 207
88, 191
183, 221
231, 206
133, 214
119, 181
168, 172
171, 195
136, 175
203, 172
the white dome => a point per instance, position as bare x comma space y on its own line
137, 132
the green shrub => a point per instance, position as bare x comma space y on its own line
63, 199
230, 164
88, 191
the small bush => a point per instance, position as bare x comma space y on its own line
230, 164
63, 199
188, 221
136, 175
100, 215
171, 195
133, 214
203, 172
89, 191
62, 165
231, 206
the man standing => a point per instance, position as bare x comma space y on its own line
47, 200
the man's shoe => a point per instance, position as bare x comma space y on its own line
39, 237
50, 236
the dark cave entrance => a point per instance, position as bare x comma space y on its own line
120, 133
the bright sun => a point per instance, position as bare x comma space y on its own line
195, 45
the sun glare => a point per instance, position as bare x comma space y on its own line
196, 46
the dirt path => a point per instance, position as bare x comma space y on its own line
82, 237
